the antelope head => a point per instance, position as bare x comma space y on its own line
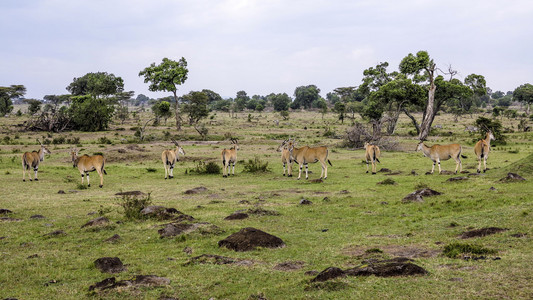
283, 145
180, 149
74, 156
236, 143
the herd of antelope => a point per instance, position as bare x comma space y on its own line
289, 155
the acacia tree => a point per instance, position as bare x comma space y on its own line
524, 94
8, 93
196, 108
423, 70
167, 76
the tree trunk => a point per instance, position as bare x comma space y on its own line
415, 123
430, 112
376, 130
178, 116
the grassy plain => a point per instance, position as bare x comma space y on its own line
350, 214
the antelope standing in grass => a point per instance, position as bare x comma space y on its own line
482, 149
305, 155
32, 160
286, 157
229, 156
442, 152
86, 164
169, 158
372, 155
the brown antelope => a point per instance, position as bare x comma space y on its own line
285, 157
305, 155
442, 152
86, 164
32, 160
229, 156
169, 158
372, 155
482, 149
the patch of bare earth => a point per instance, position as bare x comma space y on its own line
411, 251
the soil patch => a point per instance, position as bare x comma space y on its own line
216, 260
329, 273
417, 196
110, 265
237, 216
399, 266
4, 211
134, 194
512, 177
101, 221
139, 280
481, 232
113, 239
457, 178
164, 213
174, 229
196, 190
289, 266
249, 239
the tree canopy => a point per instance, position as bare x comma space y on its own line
6, 96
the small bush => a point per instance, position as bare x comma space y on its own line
454, 250
104, 140
151, 170
205, 168
59, 140
133, 205
256, 165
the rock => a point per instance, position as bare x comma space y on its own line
237, 216
417, 196
481, 232
249, 239
512, 177
305, 202
196, 190
61, 192
101, 221
109, 265
329, 273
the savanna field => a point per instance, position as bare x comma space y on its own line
48, 251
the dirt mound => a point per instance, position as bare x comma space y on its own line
417, 196
237, 216
512, 177
101, 221
37, 217
110, 265
262, 212
4, 211
164, 213
250, 238
329, 273
113, 239
457, 178
174, 229
139, 280
216, 260
481, 232
399, 266
196, 190
289, 266
137, 194
56, 233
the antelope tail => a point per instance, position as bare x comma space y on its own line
103, 170
482, 152
377, 159
464, 156
224, 158
330, 163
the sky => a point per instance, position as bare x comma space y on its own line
262, 46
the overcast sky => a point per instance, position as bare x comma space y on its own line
260, 46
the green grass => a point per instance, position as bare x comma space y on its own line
351, 215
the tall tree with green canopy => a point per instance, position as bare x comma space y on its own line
6, 96
423, 70
280, 102
196, 108
305, 96
524, 94
93, 99
167, 76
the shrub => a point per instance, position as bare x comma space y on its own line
133, 205
104, 140
58, 140
256, 165
205, 168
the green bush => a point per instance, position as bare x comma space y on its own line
205, 168
256, 165
133, 205
454, 250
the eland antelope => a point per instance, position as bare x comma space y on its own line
32, 160
285, 157
305, 155
229, 157
169, 158
372, 155
86, 164
442, 152
482, 149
